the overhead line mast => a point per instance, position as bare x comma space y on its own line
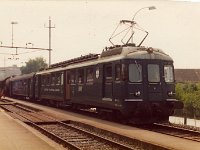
26, 47
50, 27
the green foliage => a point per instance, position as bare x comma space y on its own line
34, 65
189, 93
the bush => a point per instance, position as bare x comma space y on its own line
189, 93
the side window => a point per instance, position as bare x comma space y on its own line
108, 73
61, 79
52, 79
43, 82
168, 73
89, 75
117, 72
80, 76
57, 78
71, 77
36, 81
48, 81
97, 72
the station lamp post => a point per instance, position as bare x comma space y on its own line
133, 19
150, 8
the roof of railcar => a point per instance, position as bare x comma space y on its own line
24, 76
117, 53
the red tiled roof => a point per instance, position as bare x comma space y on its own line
187, 75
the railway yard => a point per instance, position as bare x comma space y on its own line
120, 96
53, 128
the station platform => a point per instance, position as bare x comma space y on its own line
165, 141
15, 136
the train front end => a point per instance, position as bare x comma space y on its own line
150, 88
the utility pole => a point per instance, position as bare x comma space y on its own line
12, 23
50, 27
12, 46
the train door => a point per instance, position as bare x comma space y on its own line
69, 78
107, 82
30, 90
154, 82
38, 84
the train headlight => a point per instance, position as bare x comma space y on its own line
170, 93
138, 93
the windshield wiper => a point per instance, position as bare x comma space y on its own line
138, 67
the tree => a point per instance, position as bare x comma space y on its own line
189, 93
34, 65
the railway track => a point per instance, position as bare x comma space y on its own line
172, 130
69, 134
76, 135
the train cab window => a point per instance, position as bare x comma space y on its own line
168, 73
135, 72
153, 73
80, 76
117, 72
108, 73
89, 75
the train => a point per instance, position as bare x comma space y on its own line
131, 83
128, 82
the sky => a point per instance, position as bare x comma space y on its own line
85, 26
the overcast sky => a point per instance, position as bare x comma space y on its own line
84, 26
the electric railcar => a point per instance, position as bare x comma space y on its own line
133, 83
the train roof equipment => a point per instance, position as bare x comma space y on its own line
75, 60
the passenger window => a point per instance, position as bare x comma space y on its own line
44, 80
80, 76
61, 79
52, 79
36, 82
97, 72
108, 73
118, 72
58, 79
89, 76
153, 73
71, 77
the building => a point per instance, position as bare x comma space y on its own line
187, 75
9, 71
